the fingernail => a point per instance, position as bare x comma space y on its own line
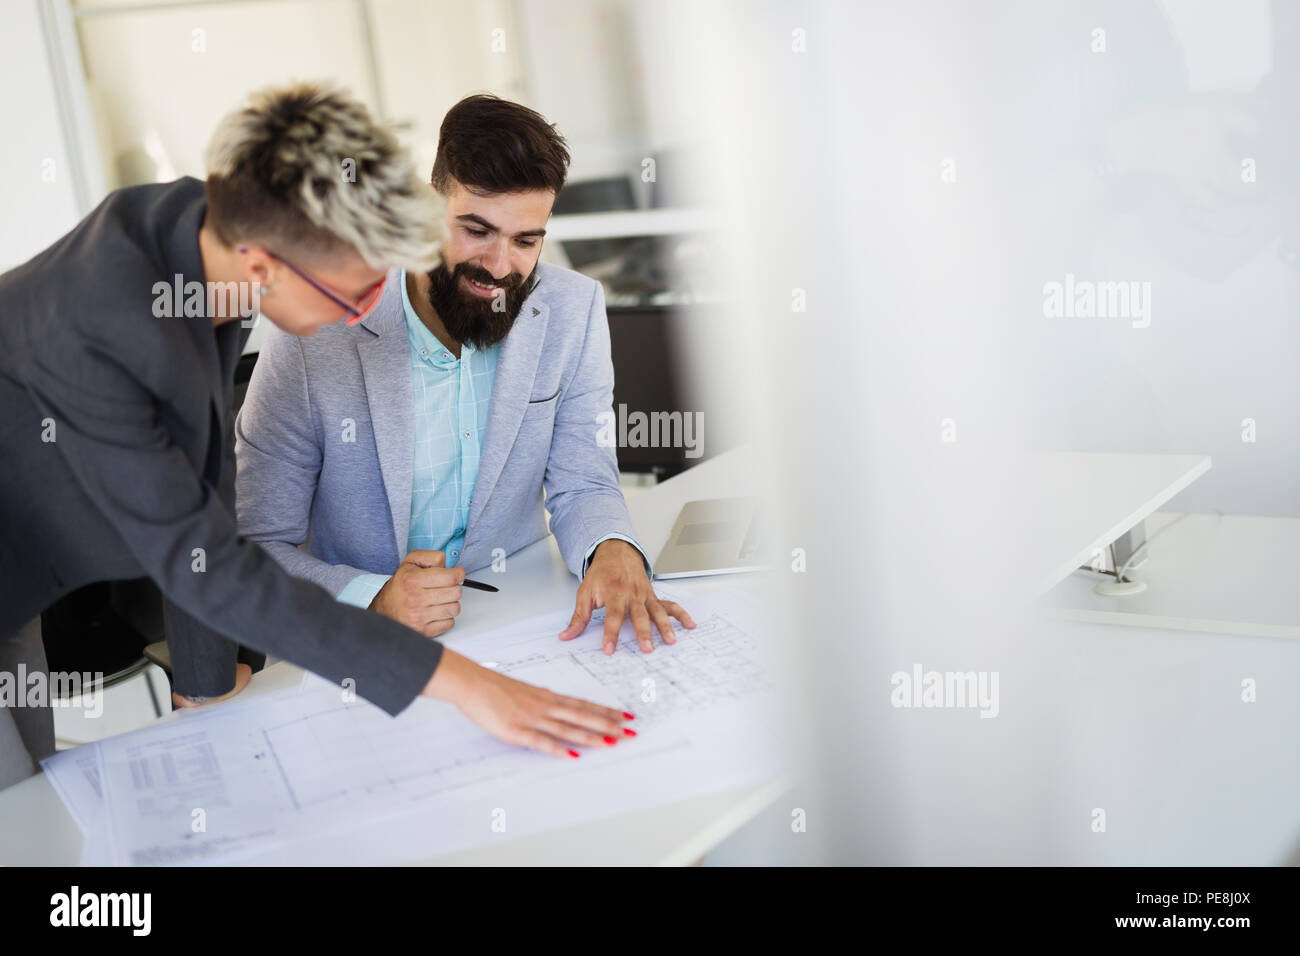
629, 732
574, 753
610, 740
627, 716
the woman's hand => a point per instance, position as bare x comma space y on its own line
522, 714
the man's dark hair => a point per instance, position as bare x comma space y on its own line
492, 145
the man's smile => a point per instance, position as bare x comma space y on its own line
485, 291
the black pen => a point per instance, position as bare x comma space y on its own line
478, 586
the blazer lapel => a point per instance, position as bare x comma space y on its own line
385, 366
184, 264
516, 369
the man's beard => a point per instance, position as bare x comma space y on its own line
471, 318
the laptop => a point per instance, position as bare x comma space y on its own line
713, 536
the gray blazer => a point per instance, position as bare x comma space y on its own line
138, 480
300, 479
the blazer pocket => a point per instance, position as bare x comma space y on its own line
544, 401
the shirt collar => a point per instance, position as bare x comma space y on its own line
423, 342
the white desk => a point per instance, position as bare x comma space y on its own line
1086, 501
1217, 574
1157, 731
1220, 574
35, 829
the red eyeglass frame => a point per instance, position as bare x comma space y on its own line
356, 311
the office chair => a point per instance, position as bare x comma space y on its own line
83, 632
118, 625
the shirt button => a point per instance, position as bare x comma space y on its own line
467, 434
455, 552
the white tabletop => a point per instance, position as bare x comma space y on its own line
35, 829
1221, 574
1087, 500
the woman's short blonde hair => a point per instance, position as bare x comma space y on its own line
306, 171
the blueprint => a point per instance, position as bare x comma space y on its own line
263, 777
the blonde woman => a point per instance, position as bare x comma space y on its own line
118, 346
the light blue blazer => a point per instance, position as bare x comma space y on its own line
324, 441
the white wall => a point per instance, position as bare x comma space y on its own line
924, 304
585, 73
1189, 87
576, 62
38, 192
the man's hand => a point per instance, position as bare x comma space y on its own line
242, 675
424, 594
616, 580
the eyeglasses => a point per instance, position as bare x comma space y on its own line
355, 311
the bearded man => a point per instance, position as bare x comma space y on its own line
415, 446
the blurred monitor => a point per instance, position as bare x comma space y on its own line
613, 194
595, 195
646, 345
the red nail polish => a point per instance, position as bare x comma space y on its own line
627, 716
574, 753
630, 733
609, 740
